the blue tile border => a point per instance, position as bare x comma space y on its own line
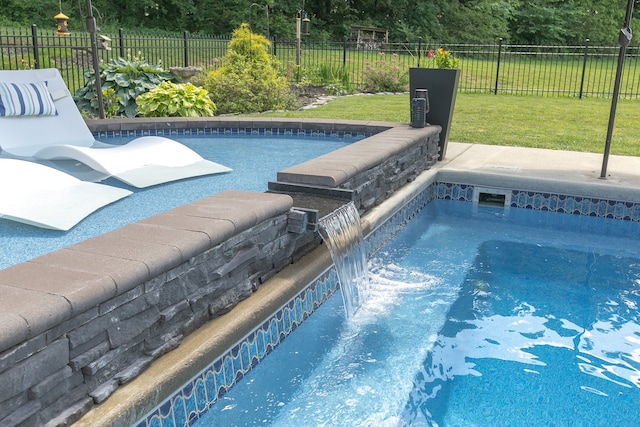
552, 202
447, 191
203, 391
601, 208
206, 388
240, 132
383, 233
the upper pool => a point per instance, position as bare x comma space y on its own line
255, 160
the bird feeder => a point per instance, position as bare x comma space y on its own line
61, 20
305, 25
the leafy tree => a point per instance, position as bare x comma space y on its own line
27, 12
568, 22
174, 15
601, 20
444, 21
221, 16
538, 22
477, 21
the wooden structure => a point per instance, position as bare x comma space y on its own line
370, 38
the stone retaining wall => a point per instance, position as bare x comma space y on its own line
97, 313
80, 322
367, 171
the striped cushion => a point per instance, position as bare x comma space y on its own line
26, 99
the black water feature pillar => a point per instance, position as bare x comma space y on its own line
419, 108
442, 84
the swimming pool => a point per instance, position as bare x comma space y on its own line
467, 300
255, 160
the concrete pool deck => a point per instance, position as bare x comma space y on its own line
489, 166
551, 171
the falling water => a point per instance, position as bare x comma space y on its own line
342, 233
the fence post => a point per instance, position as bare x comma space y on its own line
344, 52
419, 50
584, 66
121, 35
34, 38
91, 27
186, 48
495, 90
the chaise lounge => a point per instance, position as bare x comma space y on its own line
39, 120
45, 197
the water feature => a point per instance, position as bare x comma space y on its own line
475, 317
342, 233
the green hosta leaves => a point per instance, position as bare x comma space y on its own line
121, 79
128, 79
175, 100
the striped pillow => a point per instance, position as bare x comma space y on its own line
26, 99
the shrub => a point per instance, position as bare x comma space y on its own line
175, 100
129, 78
335, 79
385, 76
249, 79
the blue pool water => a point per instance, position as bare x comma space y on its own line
255, 160
477, 318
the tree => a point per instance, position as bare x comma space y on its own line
567, 22
478, 21
27, 12
442, 21
601, 21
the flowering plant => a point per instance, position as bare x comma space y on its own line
385, 75
443, 58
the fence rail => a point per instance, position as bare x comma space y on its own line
498, 68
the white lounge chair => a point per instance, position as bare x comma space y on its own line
45, 197
36, 134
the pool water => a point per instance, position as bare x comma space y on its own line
255, 161
478, 317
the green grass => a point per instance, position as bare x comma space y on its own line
527, 121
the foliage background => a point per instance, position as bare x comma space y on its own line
445, 21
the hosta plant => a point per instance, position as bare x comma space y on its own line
129, 78
175, 100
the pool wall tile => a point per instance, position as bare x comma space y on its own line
564, 203
195, 397
231, 132
210, 385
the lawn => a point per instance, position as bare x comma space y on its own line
527, 121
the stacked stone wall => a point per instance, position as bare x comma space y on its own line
77, 324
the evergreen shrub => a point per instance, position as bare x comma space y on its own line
249, 79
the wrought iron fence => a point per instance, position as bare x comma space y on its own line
498, 68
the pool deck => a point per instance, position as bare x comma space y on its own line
562, 172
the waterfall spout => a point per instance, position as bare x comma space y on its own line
342, 233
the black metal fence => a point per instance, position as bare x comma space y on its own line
498, 68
